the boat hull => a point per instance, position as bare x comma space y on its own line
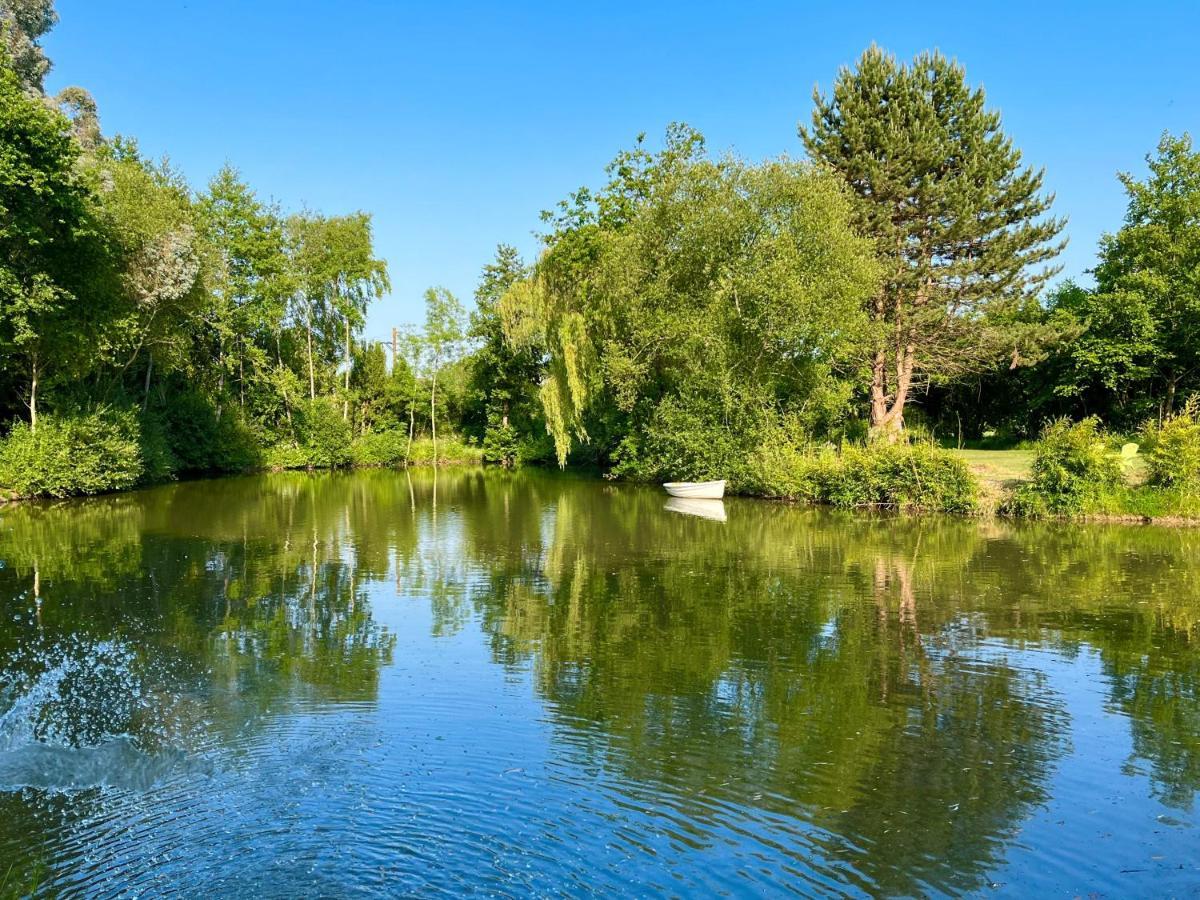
696, 490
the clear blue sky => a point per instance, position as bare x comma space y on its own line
455, 123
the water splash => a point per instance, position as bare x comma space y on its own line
79, 713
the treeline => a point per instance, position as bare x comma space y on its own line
809, 329
816, 329
148, 330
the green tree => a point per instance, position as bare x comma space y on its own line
23, 23
503, 379
337, 275
957, 221
53, 257
247, 283
148, 211
369, 381
443, 338
1144, 316
692, 304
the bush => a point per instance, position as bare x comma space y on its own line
323, 433
451, 450
1075, 469
903, 476
200, 440
1173, 457
85, 453
686, 441
501, 445
381, 448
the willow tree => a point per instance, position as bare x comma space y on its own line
691, 304
957, 221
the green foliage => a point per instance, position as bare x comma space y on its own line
900, 476
954, 217
501, 445
86, 453
323, 434
1173, 457
686, 442
201, 440
451, 450
1075, 468
713, 285
389, 447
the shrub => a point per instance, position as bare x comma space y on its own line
323, 433
1075, 467
1173, 457
501, 445
904, 476
782, 468
451, 450
200, 440
85, 453
686, 441
381, 448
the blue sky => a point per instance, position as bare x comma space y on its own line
455, 123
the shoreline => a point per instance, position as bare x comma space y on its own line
986, 512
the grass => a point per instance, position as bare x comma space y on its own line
1000, 472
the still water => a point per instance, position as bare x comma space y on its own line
380, 683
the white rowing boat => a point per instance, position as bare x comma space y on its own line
696, 490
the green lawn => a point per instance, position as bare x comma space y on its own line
1003, 470
998, 468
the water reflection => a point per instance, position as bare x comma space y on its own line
830, 702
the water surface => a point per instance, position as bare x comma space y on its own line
380, 683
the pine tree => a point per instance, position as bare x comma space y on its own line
956, 220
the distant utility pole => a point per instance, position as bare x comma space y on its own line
395, 342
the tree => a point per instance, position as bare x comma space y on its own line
247, 280
503, 379
443, 339
148, 211
369, 381
51, 248
23, 23
692, 305
1150, 273
957, 222
337, 277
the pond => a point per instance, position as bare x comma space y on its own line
476, 682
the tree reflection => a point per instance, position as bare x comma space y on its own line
862, 675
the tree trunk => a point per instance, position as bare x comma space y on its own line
287, 403
146, 386
433, 415
887, 410
412, 415
220, 377
33, 387
312, 378
346, 398
1170, 405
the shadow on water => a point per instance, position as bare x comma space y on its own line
770, 696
